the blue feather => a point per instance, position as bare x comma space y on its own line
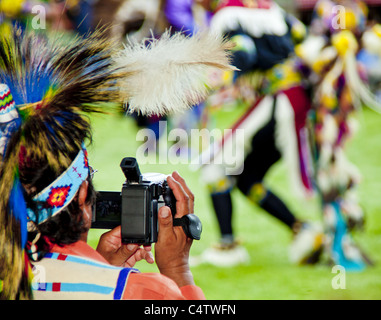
18, 209
34, 82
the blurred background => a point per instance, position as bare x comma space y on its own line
268, 274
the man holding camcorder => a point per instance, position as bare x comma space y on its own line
175, 280
47, 197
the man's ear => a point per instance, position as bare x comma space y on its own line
82, 194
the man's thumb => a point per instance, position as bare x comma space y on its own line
165, 217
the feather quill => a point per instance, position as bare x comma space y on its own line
170, 74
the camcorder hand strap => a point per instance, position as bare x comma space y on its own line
191, 225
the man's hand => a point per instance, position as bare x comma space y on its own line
173, 246
111, 248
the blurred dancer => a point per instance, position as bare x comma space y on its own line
274, 126
339, 92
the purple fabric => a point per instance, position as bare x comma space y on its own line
180, 16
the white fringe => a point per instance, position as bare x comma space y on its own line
287, 142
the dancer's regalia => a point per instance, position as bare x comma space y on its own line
311, 141
273, 127
339, 92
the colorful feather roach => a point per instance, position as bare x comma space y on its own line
53, 86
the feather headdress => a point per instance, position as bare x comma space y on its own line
53, 86
170, 74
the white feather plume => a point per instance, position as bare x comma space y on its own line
170, 74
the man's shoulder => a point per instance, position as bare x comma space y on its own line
62, 276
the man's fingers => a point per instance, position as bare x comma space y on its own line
140, 254
126, 251
182, 198
115, 232
148, 256
131, 248
190, 194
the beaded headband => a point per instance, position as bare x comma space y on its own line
8, 110
55, 197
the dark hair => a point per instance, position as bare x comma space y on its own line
67, 226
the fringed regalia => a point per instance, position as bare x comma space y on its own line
273, 127
340, 91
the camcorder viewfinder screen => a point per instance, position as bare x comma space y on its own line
107, 210
134, 218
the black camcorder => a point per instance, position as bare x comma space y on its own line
136, 207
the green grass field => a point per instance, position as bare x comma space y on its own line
269, 275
